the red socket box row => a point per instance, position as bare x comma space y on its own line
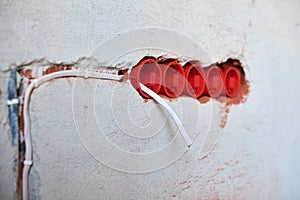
173, 80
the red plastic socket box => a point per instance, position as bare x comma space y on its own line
173, 80
169, 78
195, 79
147, 72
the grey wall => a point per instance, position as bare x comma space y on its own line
257, 155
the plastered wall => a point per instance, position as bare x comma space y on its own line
257, 154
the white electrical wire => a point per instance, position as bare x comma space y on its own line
171, 112
27, 132
85, 74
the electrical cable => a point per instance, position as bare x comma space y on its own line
27, 130
170, 111
85, 74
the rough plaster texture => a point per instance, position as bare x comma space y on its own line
257, 155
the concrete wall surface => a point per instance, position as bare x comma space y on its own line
255, 156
